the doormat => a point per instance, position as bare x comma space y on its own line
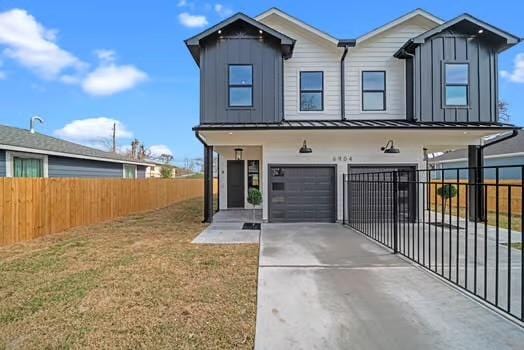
251, 226
446, 225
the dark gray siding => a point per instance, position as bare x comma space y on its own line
73, 167
409, 89
241, 47
429, 79
141, 172
2, 163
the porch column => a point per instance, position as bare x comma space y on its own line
476, 178
208, 183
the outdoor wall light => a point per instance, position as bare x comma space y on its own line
238, 153
305, 148
389, 148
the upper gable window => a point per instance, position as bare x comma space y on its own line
457, 84
311, 91
240, 85
374, 91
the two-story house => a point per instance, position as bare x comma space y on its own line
289, 108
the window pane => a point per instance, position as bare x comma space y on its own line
373, 101
456, 95
456, 73
373, 80
240, 96
240, 75
311, 101
310, 81
27, 167
129, 171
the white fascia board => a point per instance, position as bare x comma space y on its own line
303, 25
493, 156
70, 155
406, 17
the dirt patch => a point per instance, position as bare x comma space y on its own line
136, 282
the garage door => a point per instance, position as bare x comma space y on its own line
406, 190
302, 194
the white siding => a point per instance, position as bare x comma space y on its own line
311, 53
376, 53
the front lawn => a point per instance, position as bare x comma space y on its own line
136, 282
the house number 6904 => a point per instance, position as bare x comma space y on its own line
342, 158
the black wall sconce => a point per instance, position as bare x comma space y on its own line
390, 148
305, 148
238, 153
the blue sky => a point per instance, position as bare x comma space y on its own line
81, 64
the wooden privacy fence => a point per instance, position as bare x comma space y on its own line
30, 208
491, 188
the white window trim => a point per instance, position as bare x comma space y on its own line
9, 155
374, 69
124, 171
312, 69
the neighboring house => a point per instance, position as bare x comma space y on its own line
155, 171
26, 154
289, 108
505, 153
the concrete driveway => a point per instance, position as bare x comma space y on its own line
323, 286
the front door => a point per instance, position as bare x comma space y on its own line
235, 184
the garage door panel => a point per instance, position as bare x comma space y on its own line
302, 194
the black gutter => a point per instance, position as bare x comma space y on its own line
197, 135
507, 137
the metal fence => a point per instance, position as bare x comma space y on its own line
466, 231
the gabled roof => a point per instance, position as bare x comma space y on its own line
465, 20
298, 22
23, 140
508, 147
399, 20
193, 43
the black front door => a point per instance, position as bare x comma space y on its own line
235, 184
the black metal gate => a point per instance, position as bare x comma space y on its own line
468, 233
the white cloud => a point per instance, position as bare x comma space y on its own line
222, 10
182, 3
32, 45
109, 78
517, 76
94, 132
158, 150
192, 21
3, 75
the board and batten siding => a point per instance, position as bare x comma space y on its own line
310, 53
266, 58
2, 163
376, 53
430, 57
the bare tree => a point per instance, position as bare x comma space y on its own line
503, 108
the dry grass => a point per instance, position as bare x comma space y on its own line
492, 217
131, 283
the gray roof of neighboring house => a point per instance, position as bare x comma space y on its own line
513, 145
16, 137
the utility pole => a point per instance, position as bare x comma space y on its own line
114, 137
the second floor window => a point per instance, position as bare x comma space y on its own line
374, 91
240, 85
311, 91
457, 82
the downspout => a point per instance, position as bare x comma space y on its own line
342, 86
514, 133
346, 44
208, 185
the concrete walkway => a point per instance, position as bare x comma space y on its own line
323, 286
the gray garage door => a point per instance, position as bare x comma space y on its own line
302, 194
372, 191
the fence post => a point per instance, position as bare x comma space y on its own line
395, 212
344, 198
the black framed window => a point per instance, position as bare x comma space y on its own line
456, 84
311, 91
240, 84
373, 90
